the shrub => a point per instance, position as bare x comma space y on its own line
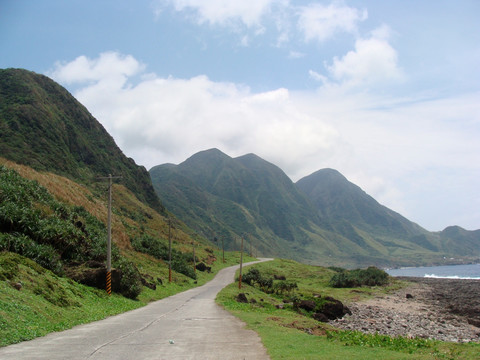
131, 281
28, 209
253, 277
282, 287
371, 276
44, 255
152, 246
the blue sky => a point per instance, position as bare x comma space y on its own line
386, 92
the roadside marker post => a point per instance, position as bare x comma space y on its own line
109, 233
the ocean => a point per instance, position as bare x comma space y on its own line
471, 271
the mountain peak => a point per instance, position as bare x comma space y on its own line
45, 127
209, 155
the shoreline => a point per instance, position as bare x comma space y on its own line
433, 308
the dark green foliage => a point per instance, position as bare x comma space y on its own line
44, 255
360, 277
284, 287
35, 225
131, 282
254, 278
43, 126
34, 216
152, 246
251, 277
336, 268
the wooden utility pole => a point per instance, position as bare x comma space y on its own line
223, 247
223, 252
194, 260
241, 264
109, 233
169, 250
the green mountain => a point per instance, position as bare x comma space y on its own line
43, 126
322, 219
228, 198
346, 209
53, 207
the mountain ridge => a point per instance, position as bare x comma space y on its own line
321, 217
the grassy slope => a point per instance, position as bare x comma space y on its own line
47, 302
284, 332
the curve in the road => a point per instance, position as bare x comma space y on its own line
188, 325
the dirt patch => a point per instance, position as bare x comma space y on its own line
316, 330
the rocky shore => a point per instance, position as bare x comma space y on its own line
441, 309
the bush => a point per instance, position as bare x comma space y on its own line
44, 255
29, 210
282, 287
152, 246
253, 277
371, 276
131, 281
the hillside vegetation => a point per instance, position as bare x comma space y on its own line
62, 225
42, 125
52, 230
322, 219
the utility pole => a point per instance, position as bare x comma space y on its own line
223, 247
109, 233
169, 250
194, 260
223, 252
241, 264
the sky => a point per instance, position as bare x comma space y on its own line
386, 92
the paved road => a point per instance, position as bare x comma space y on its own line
198, 328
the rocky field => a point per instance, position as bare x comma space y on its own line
442, 309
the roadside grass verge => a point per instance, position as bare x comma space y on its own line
47, 302
288, 334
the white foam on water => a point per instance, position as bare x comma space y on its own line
433, 276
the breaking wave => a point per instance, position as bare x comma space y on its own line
433, 276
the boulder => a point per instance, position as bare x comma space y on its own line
308, 305
334, 309
202, 267
320, 317
148, 284
242, 298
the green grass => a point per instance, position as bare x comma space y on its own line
48, 302
289, 335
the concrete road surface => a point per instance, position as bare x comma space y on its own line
188, 325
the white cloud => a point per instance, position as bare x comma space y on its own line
320, 22
317, 76
221, 12
377, 143
374, 61
296, 55
109, 65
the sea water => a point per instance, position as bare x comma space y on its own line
471, 271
